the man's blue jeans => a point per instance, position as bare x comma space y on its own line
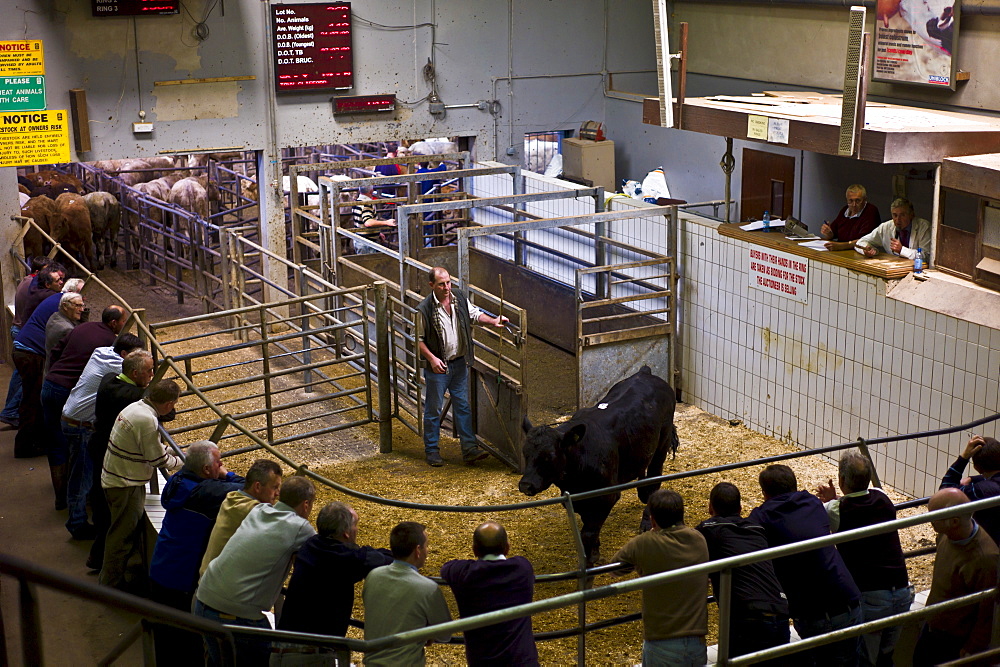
250, 652
81, 474
9, 411
877, 647
456, 381
53, 400
839, 653
677, 652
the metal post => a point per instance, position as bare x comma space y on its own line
724, 598
518, 189
995, 636
266, 362
220, 429
582, 583
863, 446
31, 627
304, 311
728, 164
148, 645
673, 243
383, 368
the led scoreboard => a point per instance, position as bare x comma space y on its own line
133, 7
312, 46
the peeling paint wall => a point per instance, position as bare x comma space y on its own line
194, 101
478, 44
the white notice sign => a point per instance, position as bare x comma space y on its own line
778, 272
777, 130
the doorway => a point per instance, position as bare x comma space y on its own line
768, 184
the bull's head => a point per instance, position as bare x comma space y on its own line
545, 450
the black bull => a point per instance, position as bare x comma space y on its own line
626, 436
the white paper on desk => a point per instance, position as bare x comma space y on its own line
815, 245
758, 225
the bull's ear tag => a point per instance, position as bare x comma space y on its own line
602, 406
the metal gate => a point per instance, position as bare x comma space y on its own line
625, 328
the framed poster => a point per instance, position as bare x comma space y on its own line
915, 42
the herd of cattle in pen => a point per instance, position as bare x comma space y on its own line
86, 220
87, 224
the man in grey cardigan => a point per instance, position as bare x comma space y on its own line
398, 598
245, 579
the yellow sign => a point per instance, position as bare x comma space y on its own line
757, 127
23, 58
34, 137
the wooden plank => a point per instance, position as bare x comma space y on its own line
976, 174
881, 266
627, 334
211, 79
960, 134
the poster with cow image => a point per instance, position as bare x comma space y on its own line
915, 42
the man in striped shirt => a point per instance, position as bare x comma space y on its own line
134, 451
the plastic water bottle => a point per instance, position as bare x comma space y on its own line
918, 262
767, 221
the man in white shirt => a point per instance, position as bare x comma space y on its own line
78, 417
902, 236
445, 343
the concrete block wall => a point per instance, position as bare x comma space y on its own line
852, 362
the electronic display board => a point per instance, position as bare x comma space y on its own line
363, 103
134, 7
312, 47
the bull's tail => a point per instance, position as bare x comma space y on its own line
646, 369
675, 442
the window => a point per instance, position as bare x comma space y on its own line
543, 152
968, 242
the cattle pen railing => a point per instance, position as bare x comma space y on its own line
224, 422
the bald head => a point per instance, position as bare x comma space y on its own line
947, 498
490, 538
954, 528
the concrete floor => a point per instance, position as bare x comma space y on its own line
75, 631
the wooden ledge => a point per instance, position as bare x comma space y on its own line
881, 266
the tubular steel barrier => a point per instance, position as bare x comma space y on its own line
305, 276
29, 575
722, 565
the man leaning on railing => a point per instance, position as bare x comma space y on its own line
966, 562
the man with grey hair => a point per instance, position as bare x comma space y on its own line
854, 220
901, 236
192, 498
70, 314
876, 563
320, 593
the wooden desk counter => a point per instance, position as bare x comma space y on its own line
882, 265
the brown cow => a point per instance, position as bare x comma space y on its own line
72, 228
105, 222
43, 211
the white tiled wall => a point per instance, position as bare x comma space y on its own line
850, 363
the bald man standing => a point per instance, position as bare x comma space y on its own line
966, 562
493, 582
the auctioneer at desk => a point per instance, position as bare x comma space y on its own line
855, 220
885, 266
902, 236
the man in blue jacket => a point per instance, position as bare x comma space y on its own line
192, 498
822, 595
